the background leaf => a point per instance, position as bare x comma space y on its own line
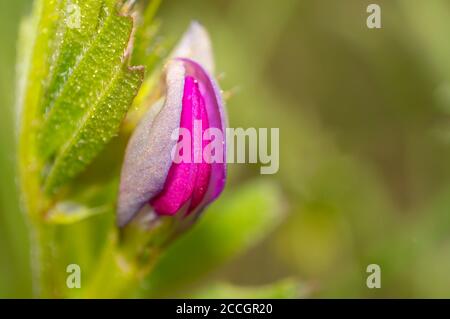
70, 212
227, 228
360, 162
284, 289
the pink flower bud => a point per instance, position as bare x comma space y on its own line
150, 176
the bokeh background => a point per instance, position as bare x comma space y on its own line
365, 140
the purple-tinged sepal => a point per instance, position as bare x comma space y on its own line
152, 173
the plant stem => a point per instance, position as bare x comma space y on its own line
118, 273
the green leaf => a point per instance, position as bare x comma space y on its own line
96, 128
229, 227
86, 89
71, 42
36, 45
69, 212
284, 289
86, 84
147, 48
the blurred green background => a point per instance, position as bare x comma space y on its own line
365, 140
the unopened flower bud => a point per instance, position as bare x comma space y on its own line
150, 174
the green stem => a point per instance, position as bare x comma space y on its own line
34, 203
48, 279
118, 272
111, 277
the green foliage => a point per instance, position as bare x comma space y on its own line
147, 48
96, 128
77, 87
284, 289
229, 227
359, 157
69, 212
69, 46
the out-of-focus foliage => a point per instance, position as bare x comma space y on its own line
14, 256
228, 228
364, 142
286, 289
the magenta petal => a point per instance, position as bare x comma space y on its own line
217, 118
181, 180
204, 168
